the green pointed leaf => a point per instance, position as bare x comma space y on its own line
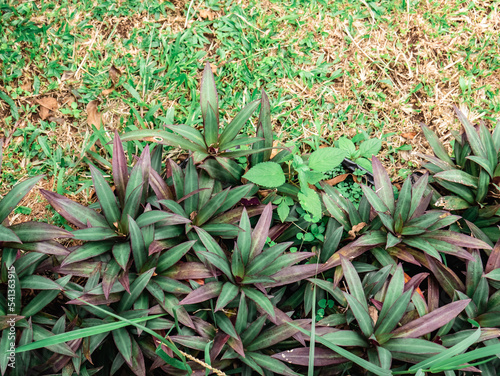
15, 195
189, 133
210, 208
472, 136
458, 176
38, 232
136, 288
80, 333
244, 236
86, 251
272, 364
121, 253
173, 255
266, 258
383, 185
94, 234
137, 244
7, 235
436, 145
431, 321
162, 137
37, 282
391, 319
260, 299
354, 283
105, 196
227, 294
234, 127
360, 314
123, 343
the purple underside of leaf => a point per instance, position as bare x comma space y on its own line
349, 252
205, 292
96, 299
300, 356
281, 317
260, 232
80, 269
457, 239
494, 259
120, 170
59, 361
415, 281
432, 321
233, 216
448, 280
188, 270
73, 212
159, 186
293, 274
383, 184
39, 231
48, 248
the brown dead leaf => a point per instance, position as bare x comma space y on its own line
106, 92
67, 75
274, 151
206, 13
409, 135
26, 86
214, 68
93, 115
355, 230
337, 179
114, 74
264, 192
43, 112
373, 312
47, 104
68, 100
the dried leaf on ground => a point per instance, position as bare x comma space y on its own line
93, 115
373, 312
409, 135
337, 179
26, 86
114, 74
206, 13
106, 92
47, 104
355, 230
67, 75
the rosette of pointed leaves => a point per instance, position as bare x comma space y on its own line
390, 317
214, 147
244, 338
195, 196
244, 275
28, 236
470, 180
129, 254
407, 225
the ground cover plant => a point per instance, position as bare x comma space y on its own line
243, 220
